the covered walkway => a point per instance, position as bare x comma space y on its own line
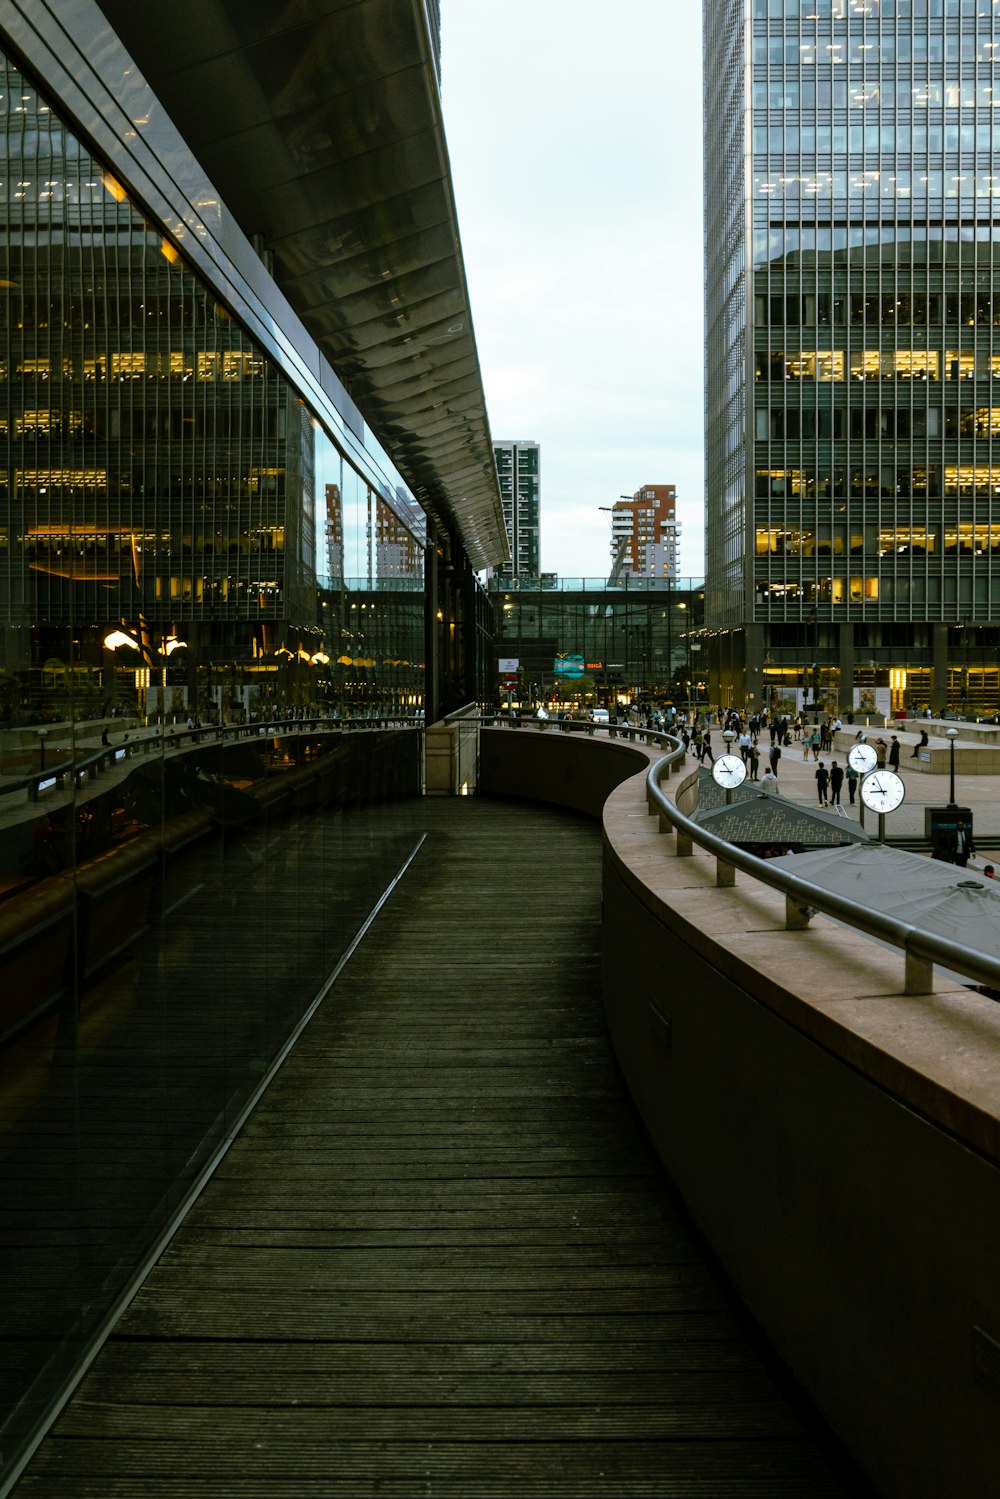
439, 1259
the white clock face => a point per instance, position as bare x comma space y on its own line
862, 757
882, 790
729, 771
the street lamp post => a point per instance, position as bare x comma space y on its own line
43, 734
728, 735
952, 736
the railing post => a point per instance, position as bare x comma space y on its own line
797, 916
685, 846
725, 874
919, 976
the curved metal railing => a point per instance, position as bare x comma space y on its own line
803, 899
636, 733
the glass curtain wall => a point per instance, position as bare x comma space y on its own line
876, 367
600, 648
186, 558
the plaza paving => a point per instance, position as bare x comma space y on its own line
797, 781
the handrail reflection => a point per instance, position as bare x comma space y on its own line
173, 738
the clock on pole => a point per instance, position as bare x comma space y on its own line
862, 757
728, 771
882, 791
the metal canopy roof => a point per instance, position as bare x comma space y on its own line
760, 815
937, 897
319, 122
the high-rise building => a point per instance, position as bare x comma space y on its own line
518, 469
183, 462
644, 533
853, 503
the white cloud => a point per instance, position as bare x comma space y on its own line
575, 142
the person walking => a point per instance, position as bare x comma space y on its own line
822, 781
754, 762
851, 776
894, 754
773, 756
814, 743
836, 781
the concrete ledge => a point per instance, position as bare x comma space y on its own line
837, 1142
971, 759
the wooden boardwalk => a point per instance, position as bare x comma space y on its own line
439, 1260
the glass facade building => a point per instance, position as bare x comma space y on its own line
163, 476
583, 641
197, 522
853, 328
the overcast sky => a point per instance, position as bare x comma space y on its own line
574, 128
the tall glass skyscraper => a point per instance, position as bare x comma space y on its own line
853, 330
518, 470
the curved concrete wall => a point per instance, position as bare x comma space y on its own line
837, 1142
573, 770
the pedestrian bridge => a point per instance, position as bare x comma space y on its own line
430, 1252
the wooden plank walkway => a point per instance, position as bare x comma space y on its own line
439, 1260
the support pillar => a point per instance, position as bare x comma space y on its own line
939, 671
845, 651
432, 667
753, 659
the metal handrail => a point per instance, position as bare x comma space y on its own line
803, 899
638, 734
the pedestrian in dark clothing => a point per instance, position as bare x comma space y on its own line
964, 848
894, 753
822, 781
774, 755
754, 762
836, 781
852, 783
921, 742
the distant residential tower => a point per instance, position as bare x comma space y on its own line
644, 533
518, 469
